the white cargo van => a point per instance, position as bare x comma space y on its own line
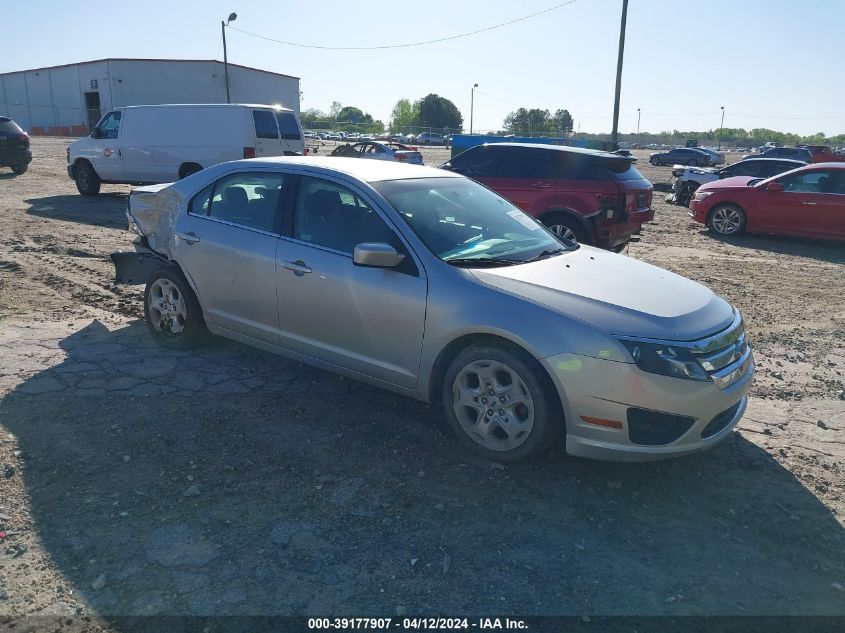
161, 143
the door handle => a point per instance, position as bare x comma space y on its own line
298, 267
190, 237
541, 185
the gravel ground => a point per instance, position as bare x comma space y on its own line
228, 481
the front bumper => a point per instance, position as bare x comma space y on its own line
698, 210
605, 391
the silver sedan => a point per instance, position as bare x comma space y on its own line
426, 283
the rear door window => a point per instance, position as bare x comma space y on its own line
288, 126
265, 124
524, 162
246, 199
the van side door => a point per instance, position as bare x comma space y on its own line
267, 141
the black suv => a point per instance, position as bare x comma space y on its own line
683, 156
14, 146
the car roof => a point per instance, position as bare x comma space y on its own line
773, 160
205, 105
362, 169
561, 148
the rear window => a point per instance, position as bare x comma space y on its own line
7, 125
621, 169
288, 126
265, 124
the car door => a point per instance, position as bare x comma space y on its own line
801, 208
524, 176
267, 141
369, 320
226, 243
106, 152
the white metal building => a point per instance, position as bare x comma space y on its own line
70, 99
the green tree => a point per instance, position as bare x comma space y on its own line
335, 109
563, 122
439, 113
352, 119
312, 118
405, 114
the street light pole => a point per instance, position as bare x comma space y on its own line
471, 105
721, 125
223, 25
615, 134
638, 124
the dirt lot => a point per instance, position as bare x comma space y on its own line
228, 481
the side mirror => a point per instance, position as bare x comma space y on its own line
376, 255
774, 186
95, 133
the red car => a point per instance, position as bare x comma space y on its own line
822, 153
591, 197
808, 201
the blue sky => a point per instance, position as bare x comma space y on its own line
771, 63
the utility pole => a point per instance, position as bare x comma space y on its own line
471, 106
638, 123
223, 25
721, 125
615, 133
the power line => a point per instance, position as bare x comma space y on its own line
424, 43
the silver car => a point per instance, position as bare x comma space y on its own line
426, 283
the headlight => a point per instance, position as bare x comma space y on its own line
701, 195
667, 360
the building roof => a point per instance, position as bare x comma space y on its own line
145, 59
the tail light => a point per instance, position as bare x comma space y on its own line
306, 151
414, 149
401, 156
249, 152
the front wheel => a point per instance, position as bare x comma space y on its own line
654, 161
497, 404
20, 169
727, 220
172, 312
692, 162
87, 180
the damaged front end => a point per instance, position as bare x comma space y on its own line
151, 213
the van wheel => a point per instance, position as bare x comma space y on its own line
566, 228
19, 169
497, 405
188, 169
172, 312
87, 180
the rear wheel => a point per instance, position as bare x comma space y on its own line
727, 220
172, 312
567, 228
20, 169
87, 181
692, 162
654, 161
497, 405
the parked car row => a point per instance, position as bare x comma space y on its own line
381, 151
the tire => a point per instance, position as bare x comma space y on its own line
87, 180
517, 421
688, 192
727, 220
189, 170
172, 312
692, 162
654, 161
20, 169
567, 228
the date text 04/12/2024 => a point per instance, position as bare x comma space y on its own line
416, 624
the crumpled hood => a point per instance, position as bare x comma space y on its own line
737, 182
617, 294
153, 210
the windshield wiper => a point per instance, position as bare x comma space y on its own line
481, 261
549, 252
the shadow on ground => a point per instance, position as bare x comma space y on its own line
228, 481
825, 251
105, 209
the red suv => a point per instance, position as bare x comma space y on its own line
584, 195
808, 201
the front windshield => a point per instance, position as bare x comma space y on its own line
464, 223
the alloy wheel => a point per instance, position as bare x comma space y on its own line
167, 307
726, 220
563, 231
493, 405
